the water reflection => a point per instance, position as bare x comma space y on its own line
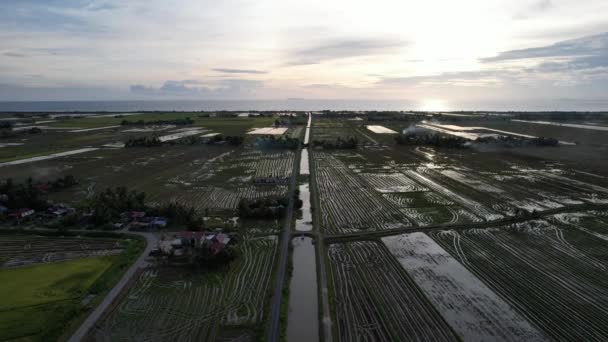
304, 219
302, 323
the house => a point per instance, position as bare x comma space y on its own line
60, 210
217, 242
132, 215
22, 213
188, 242
157, 222
192, 239
138, 226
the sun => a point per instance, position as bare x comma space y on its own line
433, 105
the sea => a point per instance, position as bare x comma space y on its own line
299, 105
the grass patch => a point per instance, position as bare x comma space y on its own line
38, 300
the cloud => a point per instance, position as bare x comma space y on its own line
596, 45
13, 92
195, 89
239, 71
104, 6
462, 78
346, 48
14, 54
535, 8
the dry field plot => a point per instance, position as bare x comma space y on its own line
554, 276
213, 177
168, 304
376, 300
220, 182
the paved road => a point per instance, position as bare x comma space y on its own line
275, 316
151, 242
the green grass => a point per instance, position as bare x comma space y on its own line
37, 299
43, 302
227, 126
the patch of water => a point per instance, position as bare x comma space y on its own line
304, 223
303, 319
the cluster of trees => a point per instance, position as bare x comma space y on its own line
61, 183
6, 130
511, 141
31, 194
107, 205
435, 140
217, 139
338, 144
178, 122
233, 140
178, 213
270, 141
143, 142
542, 141
269, 207
6, 125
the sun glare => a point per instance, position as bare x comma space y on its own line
433, 105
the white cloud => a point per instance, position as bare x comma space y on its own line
387, 48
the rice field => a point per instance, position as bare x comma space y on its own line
28, 250
173, 304
553, 275
376, 300
470, 307
220, 182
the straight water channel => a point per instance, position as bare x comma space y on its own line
303, 319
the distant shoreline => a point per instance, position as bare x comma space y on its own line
122, 106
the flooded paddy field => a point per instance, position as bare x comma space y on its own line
537, 259
169, 303
472, 309
374, 299
552, 274
412, 186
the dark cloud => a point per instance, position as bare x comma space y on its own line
50, 16
13, 54
223, 89
239, 71
339, 49
102, 7
534, 9
596, 45
13, 92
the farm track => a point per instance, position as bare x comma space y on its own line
285, 238
326, 332
334, 238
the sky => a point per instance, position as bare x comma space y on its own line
435, 51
